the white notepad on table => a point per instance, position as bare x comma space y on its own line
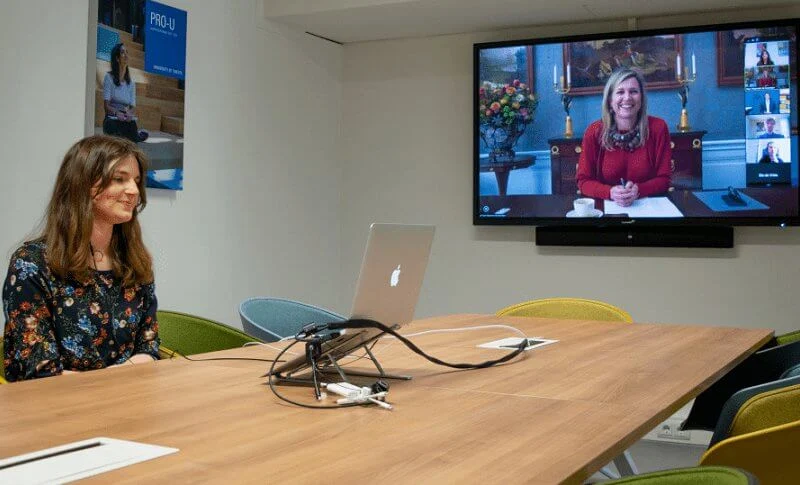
645, 207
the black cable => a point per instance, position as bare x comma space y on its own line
365, 323
175, 352
272, 387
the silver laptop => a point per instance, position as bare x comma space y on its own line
392, 272
388, 286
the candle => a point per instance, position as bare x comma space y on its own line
678, 65
562, 82
555, 76
569, 77
694, 66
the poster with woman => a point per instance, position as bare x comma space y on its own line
140, 81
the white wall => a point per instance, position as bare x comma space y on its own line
266, 168
407, 157
259, 211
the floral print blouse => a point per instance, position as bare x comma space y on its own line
55, 324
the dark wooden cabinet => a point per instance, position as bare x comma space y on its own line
564, 154
686, 163
687, 160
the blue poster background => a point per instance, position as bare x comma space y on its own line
165, 40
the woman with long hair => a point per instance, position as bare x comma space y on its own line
119, 98
625, 154
764, 59
81, 295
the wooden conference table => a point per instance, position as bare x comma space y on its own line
556, 416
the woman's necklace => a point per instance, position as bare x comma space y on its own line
628, 141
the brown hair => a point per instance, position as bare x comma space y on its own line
70, 217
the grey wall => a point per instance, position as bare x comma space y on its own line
407, 157
294, 145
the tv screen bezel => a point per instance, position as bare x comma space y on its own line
767, 221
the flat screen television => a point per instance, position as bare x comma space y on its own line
699, 128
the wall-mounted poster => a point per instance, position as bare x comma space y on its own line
139, 83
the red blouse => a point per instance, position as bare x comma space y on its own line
648, 166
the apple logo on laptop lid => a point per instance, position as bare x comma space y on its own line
395, 279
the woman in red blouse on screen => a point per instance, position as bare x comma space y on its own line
625, 154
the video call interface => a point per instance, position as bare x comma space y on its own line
728, 97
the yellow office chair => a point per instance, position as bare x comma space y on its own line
787, 338
764, 437
567, 308
771, 453
577, 309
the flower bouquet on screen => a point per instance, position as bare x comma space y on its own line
504, 111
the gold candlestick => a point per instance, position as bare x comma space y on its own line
566, 100
683, 124
683, 93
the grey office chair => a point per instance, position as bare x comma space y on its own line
733, 406
271, 319
763, 367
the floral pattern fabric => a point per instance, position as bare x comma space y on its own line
55, 324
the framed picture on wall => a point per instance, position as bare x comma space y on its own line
592, 62
504, 65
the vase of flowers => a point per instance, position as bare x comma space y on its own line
504, 112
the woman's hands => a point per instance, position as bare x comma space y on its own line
624, 195
140, 359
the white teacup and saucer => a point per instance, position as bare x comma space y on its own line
584, 207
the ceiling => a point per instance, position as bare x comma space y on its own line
346, 21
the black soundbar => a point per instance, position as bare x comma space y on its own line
645, 236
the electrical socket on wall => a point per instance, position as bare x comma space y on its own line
670, 430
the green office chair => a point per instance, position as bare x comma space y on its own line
701, 475
185, 334
567, 308
577, 309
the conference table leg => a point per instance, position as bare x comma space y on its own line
625, 464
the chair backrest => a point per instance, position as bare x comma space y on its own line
567, 308
189, 334
740, 412
272, 319
791, 372
770, 454
763, 367
699, 475
788, 337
